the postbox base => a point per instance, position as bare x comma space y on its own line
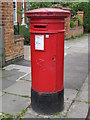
47, 103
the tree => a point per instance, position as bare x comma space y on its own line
81, 6
75, 6
34, 5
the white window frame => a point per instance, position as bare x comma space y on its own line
15, 22
27, 9
23, 15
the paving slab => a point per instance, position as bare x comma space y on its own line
80, 45
30, 113
69, 95
20, 88
16, 77
9, 73
76, 70
0, 84
83, 94
20, 68
77, 46
89, 87
0, 103
12, 104
24, 62
12, 74
1, 93
78, 110
7, 83
0, 72
27, 77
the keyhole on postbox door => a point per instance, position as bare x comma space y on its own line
53, 59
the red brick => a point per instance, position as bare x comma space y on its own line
11, 50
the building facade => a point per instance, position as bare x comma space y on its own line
13, 44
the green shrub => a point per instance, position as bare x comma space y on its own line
24, 31
72, 37
79, 20
72, 23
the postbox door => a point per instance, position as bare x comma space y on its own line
60, 61
43, 64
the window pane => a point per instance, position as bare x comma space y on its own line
14, 15
14, 12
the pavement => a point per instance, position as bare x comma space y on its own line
15, 84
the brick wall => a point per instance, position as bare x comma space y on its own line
76, 31
25, 10
80, 13
19, 17
19, 46
67, 26
67, 23
13, 49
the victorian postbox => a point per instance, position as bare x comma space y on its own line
47, 58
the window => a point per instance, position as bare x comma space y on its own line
27, 10
23, 15
15, 11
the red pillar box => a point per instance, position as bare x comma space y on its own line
47, 58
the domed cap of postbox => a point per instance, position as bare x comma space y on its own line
47, 12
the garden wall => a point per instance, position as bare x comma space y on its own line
77, 30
